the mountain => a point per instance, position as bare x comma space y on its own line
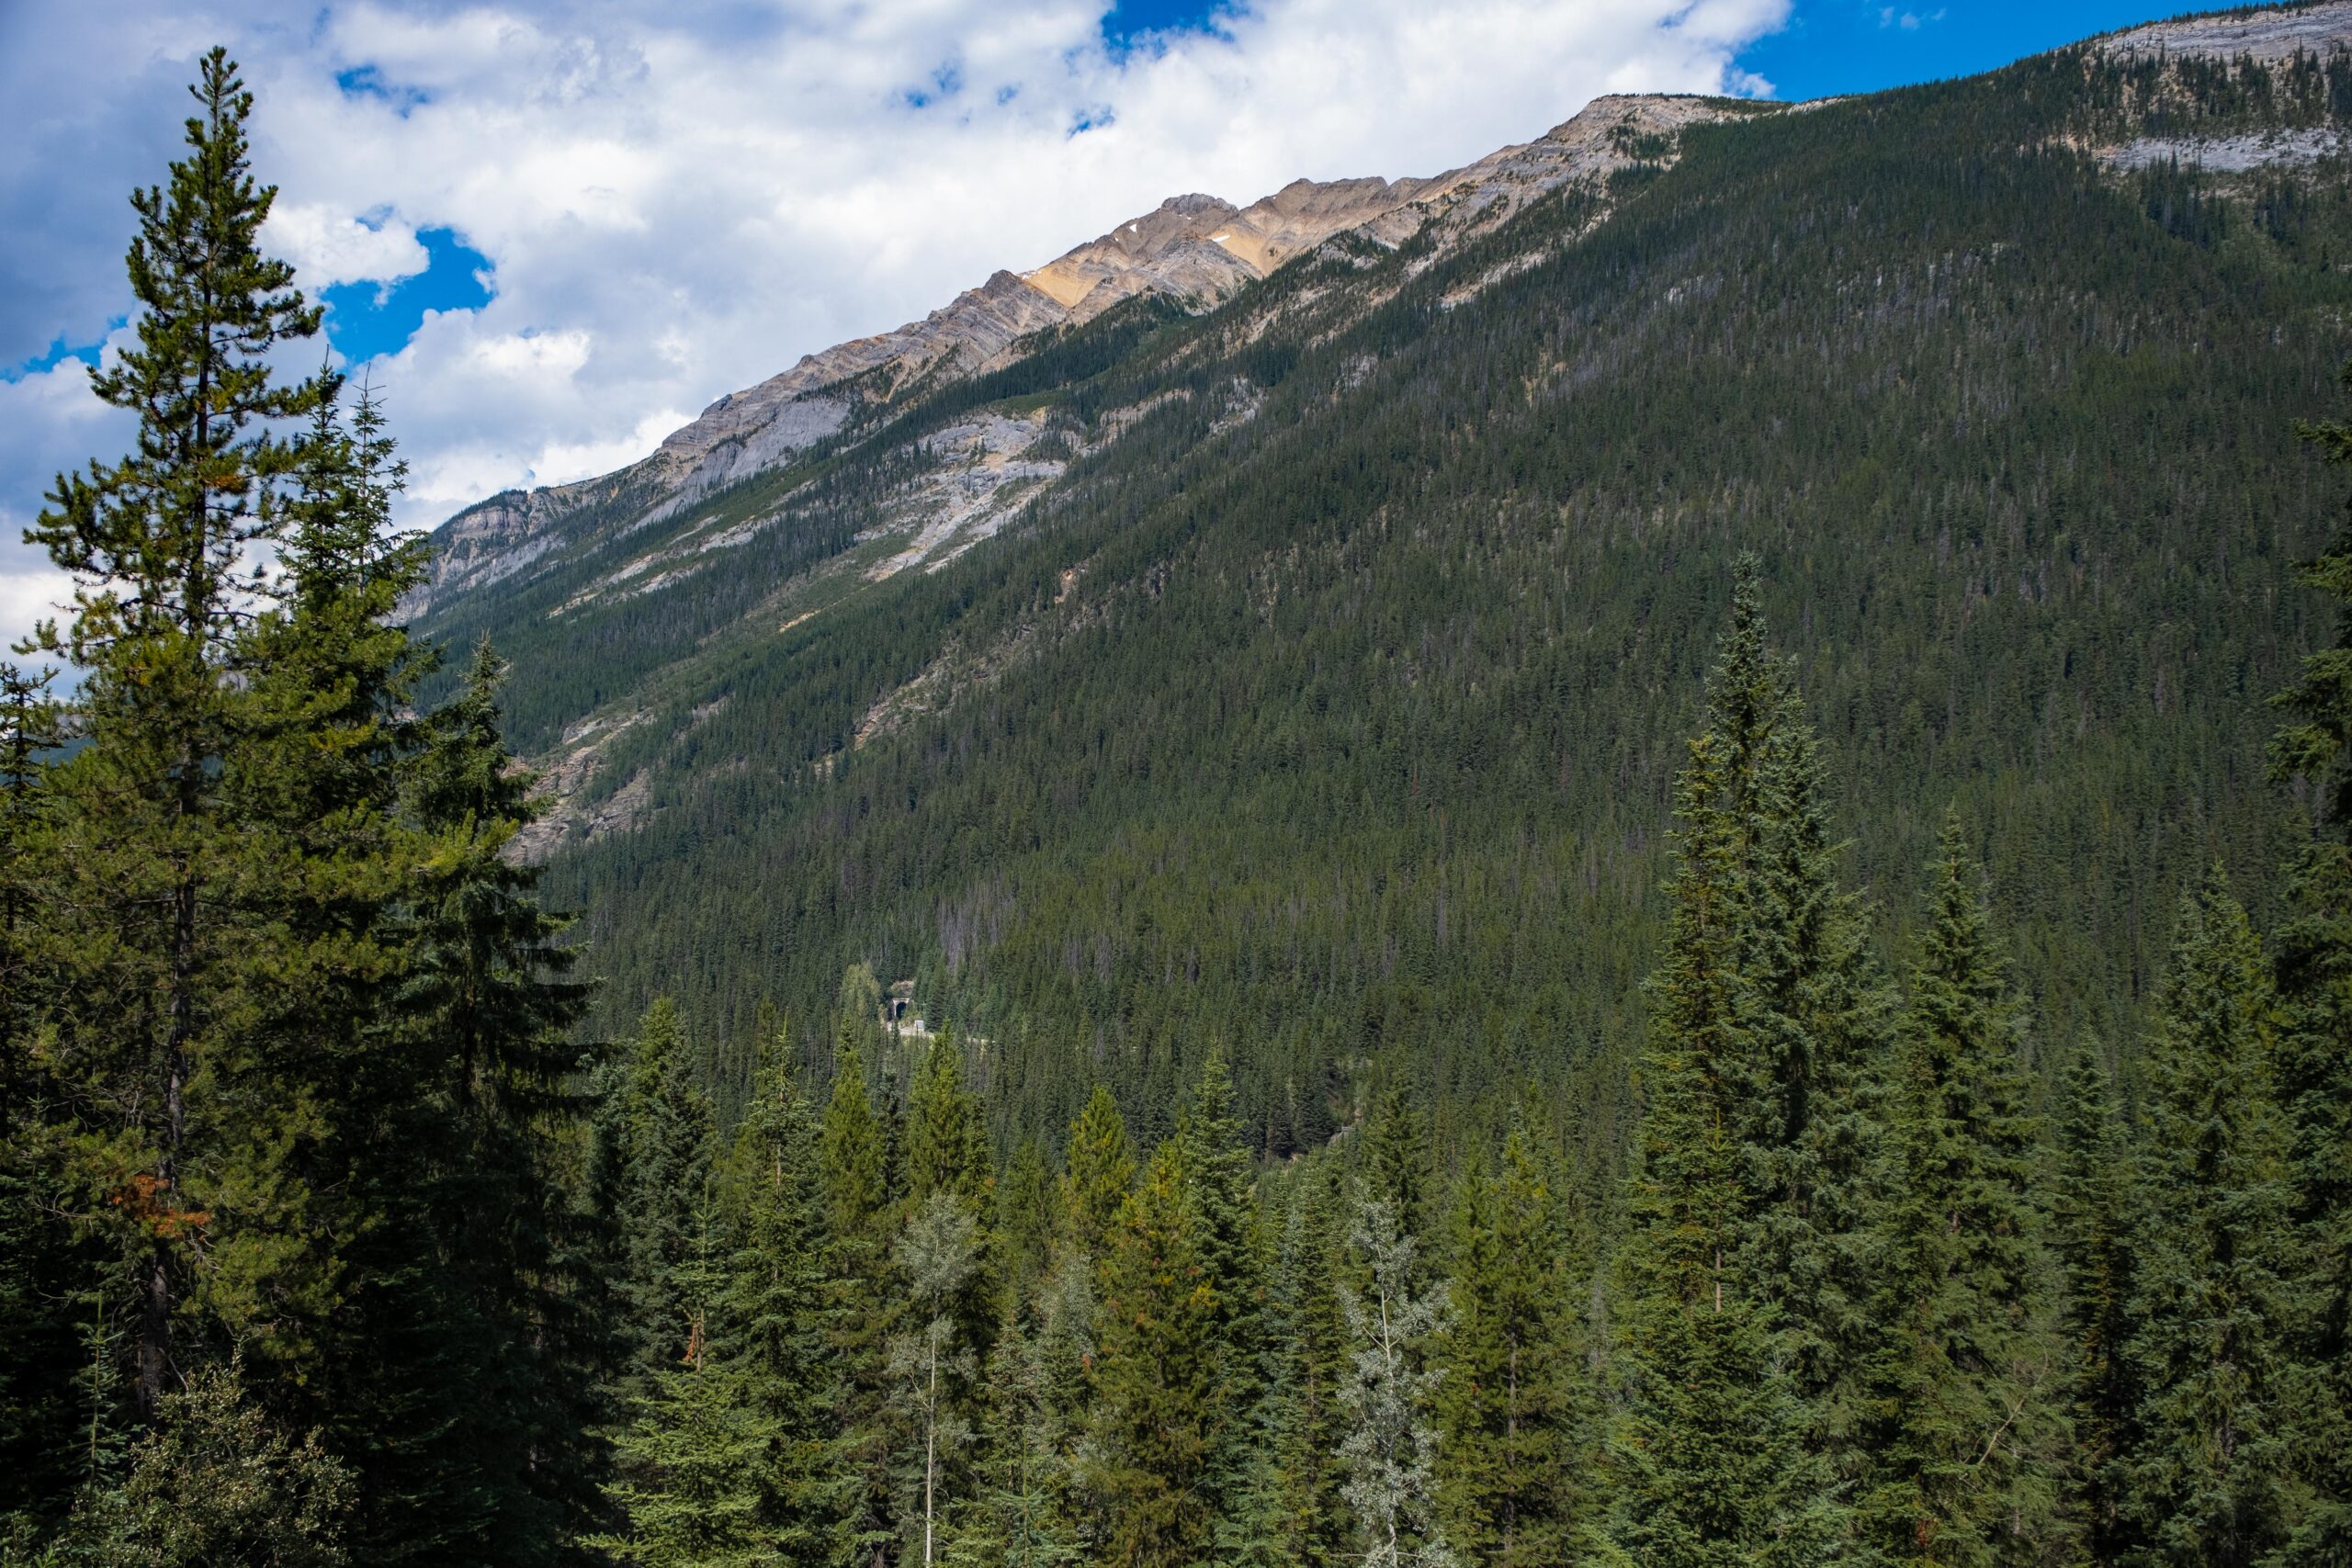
1277, 625
1196, 251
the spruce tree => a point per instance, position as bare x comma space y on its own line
946, 1141
690, 1478
1815, 1022
513, 1294
158, 547
931, 1364
666, 1192
772, 1327
1062, 1341
1027, 1217
1100, 1172
2090, 1216
2313, 953
691, 1454
1021, 1517
1307, 1335
1157, 1377
1228, 1246
1397, 1169
1707, 1457
857, 1197
1966, 1427
1514, 1406
2208, 1474
856, 1184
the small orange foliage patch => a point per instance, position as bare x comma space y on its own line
143, 1201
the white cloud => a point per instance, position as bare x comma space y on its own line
680, 206
326, 248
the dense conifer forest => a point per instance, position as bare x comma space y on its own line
1688, 1177
1332, 713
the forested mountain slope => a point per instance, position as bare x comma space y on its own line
1377, 684
1306, 671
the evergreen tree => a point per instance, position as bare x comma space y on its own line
857, 1182
1026, 1215
1229, 1247
1158, 1375
216, 1482
946, 1141
2313, 953
1387, 1454
665, 1194
42, 1270
1101, 1172
690, 1460
2090, 1210
1707, 1457
1814, 1029
771, 1331
931, 1364
1965, 1425
1515, 1417
1307, 1336
856, 1185
1397, 1169
512, 1295
690, 1467
1064, 1348
2208, 1474
164, 959
1021, 1517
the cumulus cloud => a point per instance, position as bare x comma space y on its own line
327, 247
679, 201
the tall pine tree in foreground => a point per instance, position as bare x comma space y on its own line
2089, 1218
2313, 955
1514, 1461
1708, 1464
2207, 1477
165, 955
1965, 1425
1157, 1376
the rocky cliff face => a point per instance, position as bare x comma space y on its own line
2268, 37
1198, 250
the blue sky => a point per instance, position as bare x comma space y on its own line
555, 230
367, 318
1854, 46
1835, 46
1822, 46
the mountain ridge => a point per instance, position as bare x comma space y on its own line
1198, 251
1194, 249
1190, 674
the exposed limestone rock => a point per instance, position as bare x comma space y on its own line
2231, 155
2265, 36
